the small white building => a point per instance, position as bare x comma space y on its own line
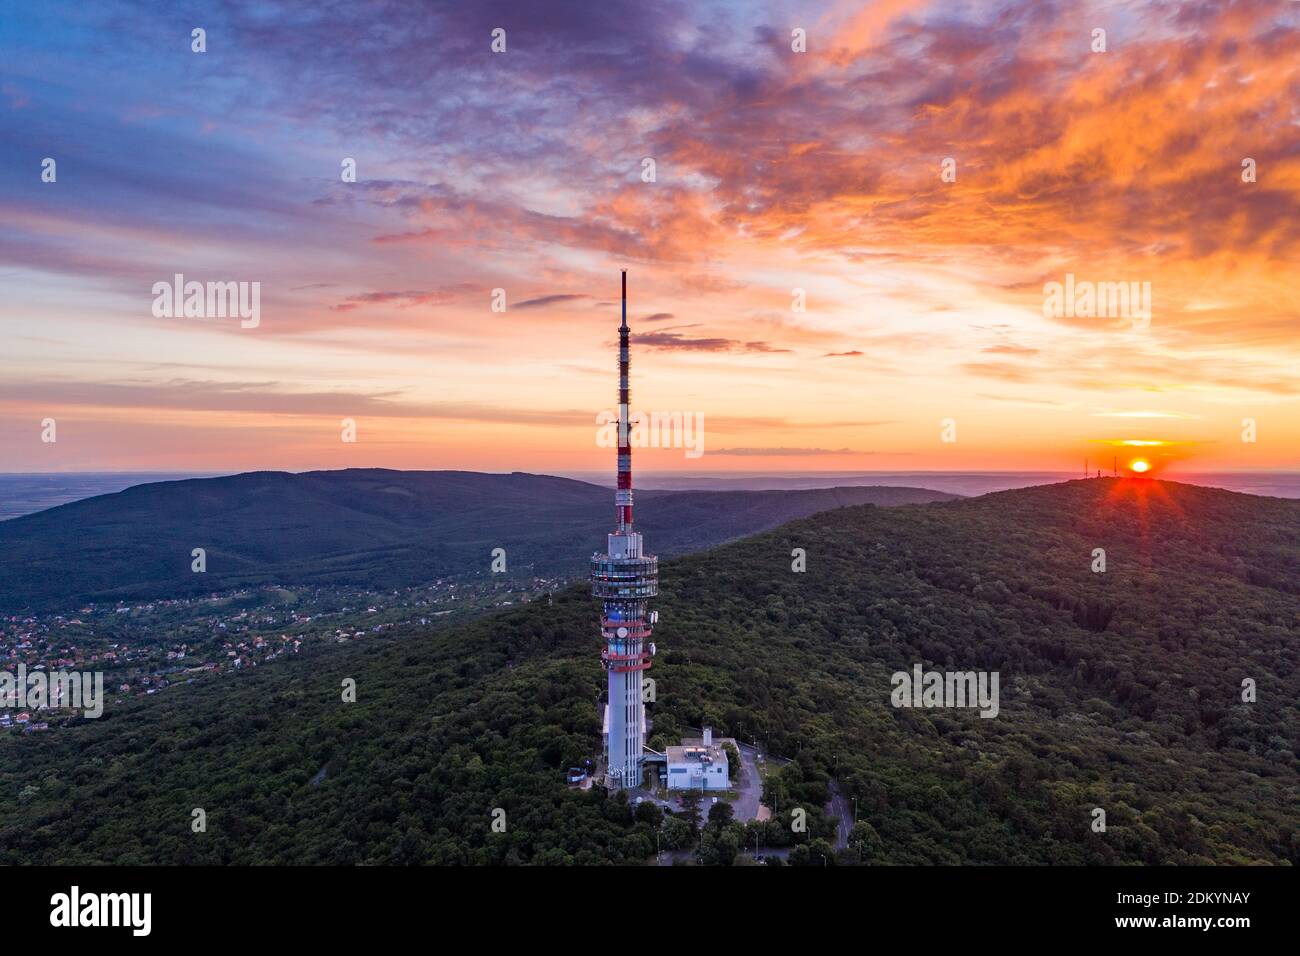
698, 765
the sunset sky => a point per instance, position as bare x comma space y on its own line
775, 171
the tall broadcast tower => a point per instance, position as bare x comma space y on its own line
624, 578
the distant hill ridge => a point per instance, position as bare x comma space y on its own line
367, 527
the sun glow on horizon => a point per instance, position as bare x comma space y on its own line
1139, 466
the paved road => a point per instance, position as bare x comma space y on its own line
841, 808
749, 788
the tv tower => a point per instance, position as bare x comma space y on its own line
624, 578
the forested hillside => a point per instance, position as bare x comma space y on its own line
360, 527
1119, 690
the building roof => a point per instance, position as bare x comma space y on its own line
698, 754
717, 742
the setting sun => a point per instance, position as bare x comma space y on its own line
1139, 465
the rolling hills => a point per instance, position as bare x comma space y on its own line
1120, 690
371, 527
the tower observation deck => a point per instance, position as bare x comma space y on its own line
625, 578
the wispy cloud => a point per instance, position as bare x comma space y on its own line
785, 452
776, 171
542, 301
266, 398
676, 341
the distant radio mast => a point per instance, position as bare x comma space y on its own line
624, 578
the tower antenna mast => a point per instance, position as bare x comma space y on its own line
625, 578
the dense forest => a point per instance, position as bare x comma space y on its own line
1120, 690
360, 527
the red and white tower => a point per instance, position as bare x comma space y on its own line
625, 578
